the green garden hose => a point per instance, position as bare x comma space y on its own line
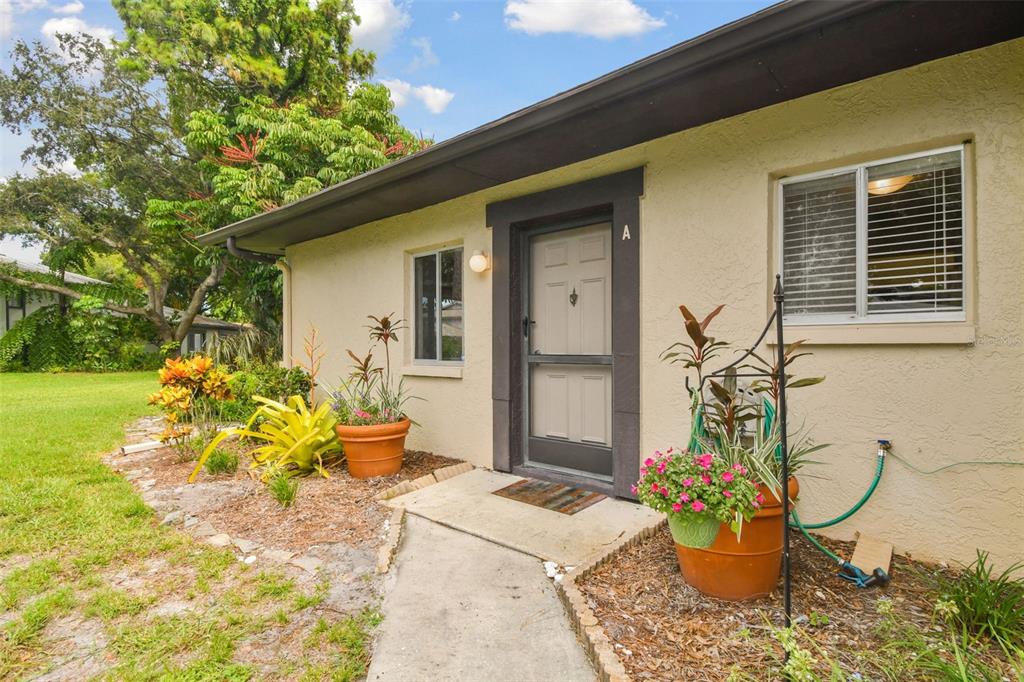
883, 448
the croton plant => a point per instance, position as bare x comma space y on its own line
187, 386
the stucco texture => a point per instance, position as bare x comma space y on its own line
707, 239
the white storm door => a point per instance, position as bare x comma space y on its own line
570, 351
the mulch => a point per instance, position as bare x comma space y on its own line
663, 629
326, 510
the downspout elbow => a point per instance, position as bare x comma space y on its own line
245, 254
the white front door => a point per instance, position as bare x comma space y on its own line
570, 350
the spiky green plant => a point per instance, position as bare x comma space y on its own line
296, 441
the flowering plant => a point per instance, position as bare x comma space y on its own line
188, 388
698, 492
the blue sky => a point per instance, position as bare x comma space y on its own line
451, 65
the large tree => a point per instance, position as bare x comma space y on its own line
209, 111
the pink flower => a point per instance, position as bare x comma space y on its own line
740, 468
643, 471
697, 506
727, 493
649, 462
705, 461
632, 489
687, 482
760, 498
683, 497
664, 491
661, 467
706, 479
654, 487
727, 476
669, 450
756, 504
677, 507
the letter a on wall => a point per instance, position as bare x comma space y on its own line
625, 233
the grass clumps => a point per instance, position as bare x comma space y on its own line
221, 462
349, 639
283, 489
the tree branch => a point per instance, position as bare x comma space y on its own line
199, 296
70, 293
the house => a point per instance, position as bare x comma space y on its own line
870, 152
21, 305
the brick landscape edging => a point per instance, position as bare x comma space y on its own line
442, 474
598, 645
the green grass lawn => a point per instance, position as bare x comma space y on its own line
69, 526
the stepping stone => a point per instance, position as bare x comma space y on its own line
173, 517
219, 540
245, 546
204, 530
307, 563
278, 555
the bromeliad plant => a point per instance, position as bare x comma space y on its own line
190, 390
698, 492
296, 441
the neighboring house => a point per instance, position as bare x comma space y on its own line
870, 152
17, 307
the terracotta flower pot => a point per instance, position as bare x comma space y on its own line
374, 450
745, 567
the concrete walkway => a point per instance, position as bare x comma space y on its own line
461, 608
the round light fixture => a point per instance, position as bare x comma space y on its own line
478, 262
885, 186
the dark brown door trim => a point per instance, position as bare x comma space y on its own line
619, 196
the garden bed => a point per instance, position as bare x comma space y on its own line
663, 629
326, 510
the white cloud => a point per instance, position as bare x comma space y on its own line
9, 8
426, 57
74, 7
435, 99
455, 16
381, 21
52, 27
597, 18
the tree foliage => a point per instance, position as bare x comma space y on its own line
210, 111
213, 53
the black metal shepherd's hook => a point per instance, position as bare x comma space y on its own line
780, 374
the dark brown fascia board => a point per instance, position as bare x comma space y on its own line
726, 45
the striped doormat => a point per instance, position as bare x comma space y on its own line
553, 496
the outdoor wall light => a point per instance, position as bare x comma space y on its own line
479, 262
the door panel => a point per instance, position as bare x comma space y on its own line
570, 317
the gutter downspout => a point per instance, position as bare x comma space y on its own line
286, 314
286, 292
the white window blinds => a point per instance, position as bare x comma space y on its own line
876, 242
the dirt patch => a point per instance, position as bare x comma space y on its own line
664, 629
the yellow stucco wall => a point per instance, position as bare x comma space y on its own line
707, 221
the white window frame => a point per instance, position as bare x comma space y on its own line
861, 316
413, 306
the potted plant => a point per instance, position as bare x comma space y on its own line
736, 426
370, 406
702, 494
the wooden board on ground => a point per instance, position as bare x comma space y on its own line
871, 553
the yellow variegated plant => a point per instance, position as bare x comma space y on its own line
296, 440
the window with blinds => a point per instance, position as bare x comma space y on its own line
876, 242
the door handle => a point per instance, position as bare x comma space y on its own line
527, 323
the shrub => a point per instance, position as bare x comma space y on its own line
189, 392
983, 603
264, 379
221, 462
283, 489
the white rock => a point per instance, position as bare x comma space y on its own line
250, 559
551, 568
171, 518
